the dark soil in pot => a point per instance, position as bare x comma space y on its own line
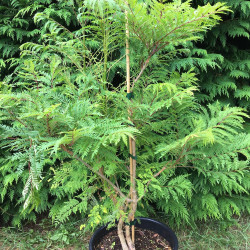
144, 239
149, 234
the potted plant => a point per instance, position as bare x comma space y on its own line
116, 147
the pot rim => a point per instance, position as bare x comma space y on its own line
146, 223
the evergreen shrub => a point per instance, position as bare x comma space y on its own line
64, 127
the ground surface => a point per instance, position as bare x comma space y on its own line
43, 235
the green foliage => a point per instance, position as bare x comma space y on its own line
221, 60
65, 127
13, 179
222, 57
17, 26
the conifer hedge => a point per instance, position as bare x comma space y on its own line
221, 62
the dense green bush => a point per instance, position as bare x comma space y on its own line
61, 94
222, 57
221, 61
18, 27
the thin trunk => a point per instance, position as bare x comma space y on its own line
128, 238
107, 188
121, 235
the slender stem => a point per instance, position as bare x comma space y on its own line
130, 243
13, 115
96, 172
145, 64
107, 189
121, 235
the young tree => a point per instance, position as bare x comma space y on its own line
66, 110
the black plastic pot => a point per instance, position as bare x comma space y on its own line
145, 223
